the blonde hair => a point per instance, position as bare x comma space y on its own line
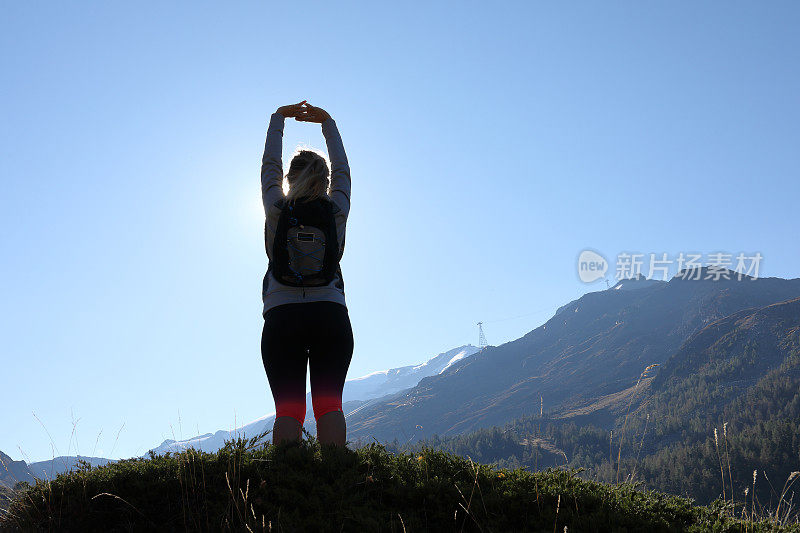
308, 176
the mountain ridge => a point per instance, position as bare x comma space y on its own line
595, 346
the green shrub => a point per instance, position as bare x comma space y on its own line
305, 486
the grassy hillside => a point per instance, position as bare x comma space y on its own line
738, 377
305, 487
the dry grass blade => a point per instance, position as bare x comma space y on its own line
786, 486
466, 509
719, 458
558, 506
120, 499
643, 375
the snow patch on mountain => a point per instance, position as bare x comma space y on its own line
459, 356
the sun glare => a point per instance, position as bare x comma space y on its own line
255, 207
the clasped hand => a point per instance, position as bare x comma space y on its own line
309, 113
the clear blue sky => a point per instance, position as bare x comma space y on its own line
489, 144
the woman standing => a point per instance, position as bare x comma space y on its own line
305, 324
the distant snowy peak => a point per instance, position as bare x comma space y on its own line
457, 357
373, 374
384, 382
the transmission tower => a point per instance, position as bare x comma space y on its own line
481, 337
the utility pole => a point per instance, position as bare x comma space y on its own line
481, 337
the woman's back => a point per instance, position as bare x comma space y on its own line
275, 293
305, 326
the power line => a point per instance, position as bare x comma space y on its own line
537, 312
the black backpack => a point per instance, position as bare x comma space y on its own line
305, 251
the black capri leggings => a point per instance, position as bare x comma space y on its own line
314, 334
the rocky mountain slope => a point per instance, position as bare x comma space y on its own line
584, 362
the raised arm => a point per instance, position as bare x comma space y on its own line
271, 163
340, 169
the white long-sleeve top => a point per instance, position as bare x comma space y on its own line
274, 293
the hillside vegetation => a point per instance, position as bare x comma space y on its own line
726, 404
307, 487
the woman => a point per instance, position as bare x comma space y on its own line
305, 325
